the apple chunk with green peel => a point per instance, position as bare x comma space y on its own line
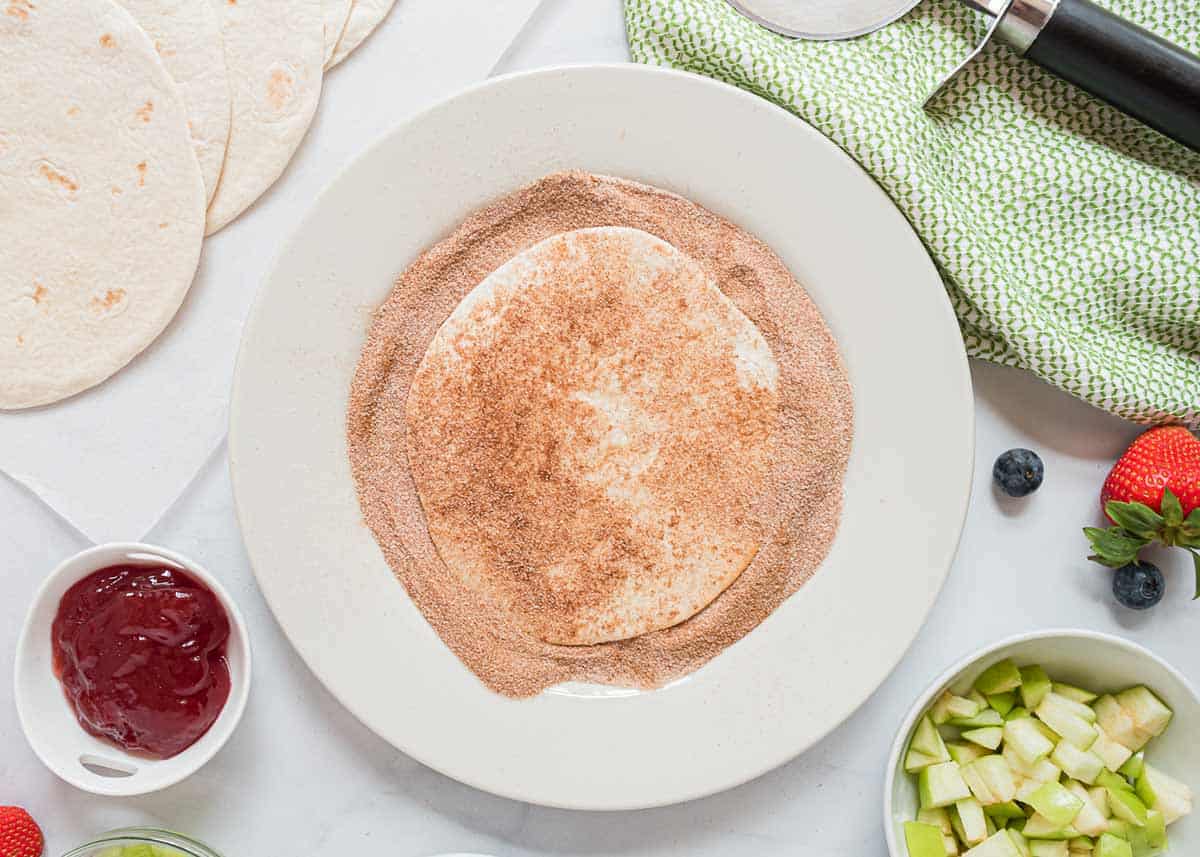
923, 840
1027, 740
941, 785
1150, 716
1045, 848
1112, 754
990, 780
926, 748
1169, 796
1077, 764
1117, 723
1035, 684
972, 824
1091, 820
1056, 803
1066, 718
950, 705
1000, 677
999, 844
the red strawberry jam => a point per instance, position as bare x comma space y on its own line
140, 652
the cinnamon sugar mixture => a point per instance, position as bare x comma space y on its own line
502, 444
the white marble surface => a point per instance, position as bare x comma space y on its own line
303, 777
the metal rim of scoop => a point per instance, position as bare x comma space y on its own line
863, 30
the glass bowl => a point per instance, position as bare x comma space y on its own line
173, 844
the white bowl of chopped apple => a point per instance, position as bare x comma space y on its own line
1058, 743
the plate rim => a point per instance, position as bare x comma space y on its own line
515, 789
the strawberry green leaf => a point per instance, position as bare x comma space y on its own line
1196, 562
1172, 512
1191, 527
1136, 518
1114, 547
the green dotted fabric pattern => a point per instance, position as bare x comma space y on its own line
1067, 234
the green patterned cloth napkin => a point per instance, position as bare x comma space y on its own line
1067, 234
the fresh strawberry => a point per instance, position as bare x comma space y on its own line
19, 834
1152, 495
1167, 457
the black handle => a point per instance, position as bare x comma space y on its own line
1119, 62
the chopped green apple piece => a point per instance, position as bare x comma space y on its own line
1155, 829
1035, 684
1112, 754
1056, 803
1098, 795
1025, 788
1017, 713
1021, 842
1043, 770
999, 678
1002, 703
1004, 811
939, 818
1026, 740
915, 762
1083, 843
984, 719
952, 845
1046, 848
989, 737
941, 785
1077, 764
1076, 693
949, 705
965, 753
999, 844
1117, 723
923, 840
1052, 736
1091, 821
1171, 797
1119, 828
1040, 827
1113, 781
990, 780
1133, 767
1062, 715
926, 748
1127, 806
1075, 706
1112, 846
1150, 716
972, 826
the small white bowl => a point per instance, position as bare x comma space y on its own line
48, 720
1096, 661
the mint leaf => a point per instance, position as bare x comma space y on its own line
1136, 518
1171, 510
1114, 547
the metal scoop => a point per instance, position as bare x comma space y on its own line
1115, 60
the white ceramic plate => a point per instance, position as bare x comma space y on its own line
821, 654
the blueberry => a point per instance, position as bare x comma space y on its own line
1139, 586
1018, 472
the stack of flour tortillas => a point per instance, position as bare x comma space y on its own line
129, 130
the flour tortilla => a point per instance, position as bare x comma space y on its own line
187, 34
101, 197
365, 16
588, 432
274, 50
336, 13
